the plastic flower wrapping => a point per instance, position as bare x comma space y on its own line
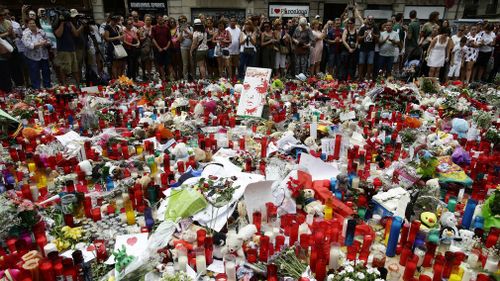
322, 180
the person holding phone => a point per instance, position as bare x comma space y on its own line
389, 41
37, 54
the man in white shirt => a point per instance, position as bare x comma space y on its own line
234, 47
388, 42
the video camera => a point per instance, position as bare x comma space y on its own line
56, 15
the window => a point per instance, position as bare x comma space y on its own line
491, 8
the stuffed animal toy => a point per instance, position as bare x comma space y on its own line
465, 240
311, 205
448, 219
86, 167
447, 235
234, 246
180, 151
460, 127
429, 220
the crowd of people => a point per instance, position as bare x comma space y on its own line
349, 47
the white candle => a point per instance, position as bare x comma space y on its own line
49, 248
230, 271
420, 253
472, 260
182, 262
34, 192
355, 183
491, 264
201, 264
334, 257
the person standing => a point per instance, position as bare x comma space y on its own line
457, 58
281, 34
267, 44
412, 36
138, 24
439, 52
186, 39
496, 56
348, 54
471, 53
146, 48
175, 68
199, 48
5, 32
211, 61
334, 43
222, 40
161, 41
66, 58
389, 41
302, 38
247, 48
486, 44
234, 47
317, 47
131, 44
398, 27
37, 54
368, 35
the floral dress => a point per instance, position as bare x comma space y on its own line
471, 53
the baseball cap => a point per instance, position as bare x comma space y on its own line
317, 17
197, 21
73, 13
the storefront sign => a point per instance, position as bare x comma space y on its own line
148, 6
378, 14
288, 11
217, 13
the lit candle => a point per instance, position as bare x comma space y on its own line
182, 258
129, 212
230, 268
335, 255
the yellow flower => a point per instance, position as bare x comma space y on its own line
61, 244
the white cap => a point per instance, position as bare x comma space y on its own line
197, 21
317, 17
73, 13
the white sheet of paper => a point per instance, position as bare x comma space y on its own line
135, 244
347, 116
90, 90
87, 255
318, 169
257, 195
217, 266
69, 137
191, 273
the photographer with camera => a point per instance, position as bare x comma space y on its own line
66, 58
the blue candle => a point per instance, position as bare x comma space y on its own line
469, 212
392, 243
349, 234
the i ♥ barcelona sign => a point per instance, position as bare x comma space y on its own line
275, 10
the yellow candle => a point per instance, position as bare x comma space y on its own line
31, 167
139, 150
154, 168
129, 212
42, 181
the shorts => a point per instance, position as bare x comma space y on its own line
454, 70
66, 61
280, 60
483, 58
162, 58
235, 60
366, 57
200, 55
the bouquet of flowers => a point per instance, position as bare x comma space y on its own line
355, 271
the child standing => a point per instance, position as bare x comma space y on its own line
457, 57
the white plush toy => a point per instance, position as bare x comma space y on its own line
86, 167
234, 246
448, 219
180, 151
311, 205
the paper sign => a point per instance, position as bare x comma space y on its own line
257, 195
135, 244
347, 116
217, 266
254, 93
90, 90
318, 169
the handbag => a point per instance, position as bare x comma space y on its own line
225, 52
284, 50
5, 47
119, 51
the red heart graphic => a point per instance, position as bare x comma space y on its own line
91, 248
277, 10
131, 241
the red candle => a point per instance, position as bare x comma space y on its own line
180, 167
280, 241
294, 233
257, 220
166, 163
410, 268
263, 149
414, 228
264, 248
405, 254
241, 143
46, 270
96, 214
336, 151
251, 255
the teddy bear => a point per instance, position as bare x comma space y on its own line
465, 240
460, 126
311, 205
234, 246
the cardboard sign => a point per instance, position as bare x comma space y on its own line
253, 96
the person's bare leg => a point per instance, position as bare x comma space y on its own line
362, 71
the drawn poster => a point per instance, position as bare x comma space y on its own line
253, 96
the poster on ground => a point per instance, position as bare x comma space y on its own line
253, 96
